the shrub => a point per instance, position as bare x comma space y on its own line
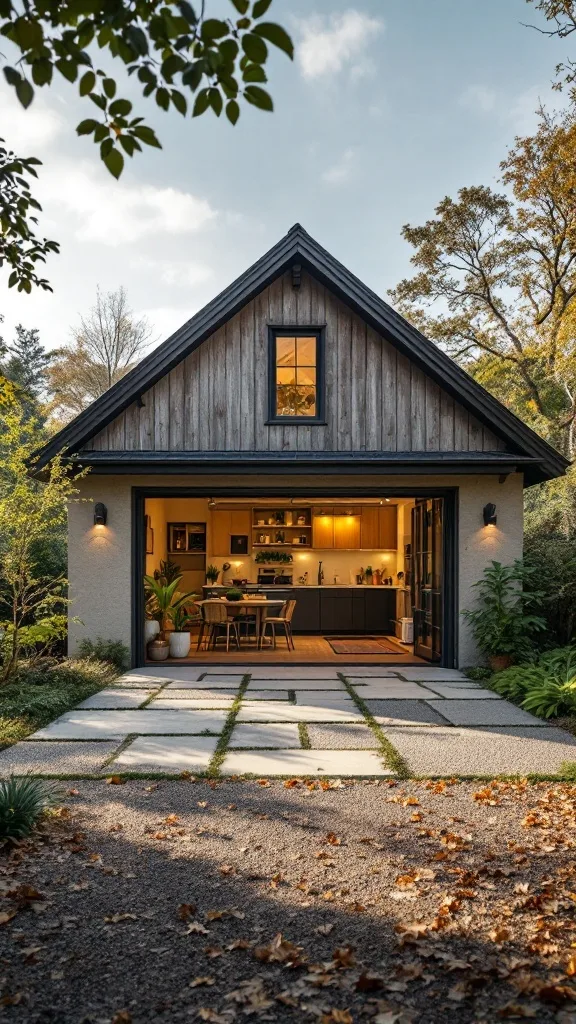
113, 651
554, 556
22, 802
503, 621
548, 688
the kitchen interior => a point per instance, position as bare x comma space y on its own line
347, 564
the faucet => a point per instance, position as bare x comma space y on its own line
320, 574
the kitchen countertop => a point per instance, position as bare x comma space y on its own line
315, 586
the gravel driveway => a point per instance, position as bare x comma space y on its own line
395, 902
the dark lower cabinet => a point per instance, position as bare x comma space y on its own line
306, 618
366, 610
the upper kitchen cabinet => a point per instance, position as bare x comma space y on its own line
369, 528
388, 528
347, 531
323, 529
224, 524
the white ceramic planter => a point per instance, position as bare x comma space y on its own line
151, 630
179, 645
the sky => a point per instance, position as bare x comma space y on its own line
389, 106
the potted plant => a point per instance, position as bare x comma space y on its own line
234, 594
212, 573
179, 639
504, 623
165, 597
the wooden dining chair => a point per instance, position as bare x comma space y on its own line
217, 618
284, 621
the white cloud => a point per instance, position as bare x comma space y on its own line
167, 319
328, 44
36, 127
342, 170
116, 213
181, 273
479, 98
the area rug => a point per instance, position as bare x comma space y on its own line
364, 645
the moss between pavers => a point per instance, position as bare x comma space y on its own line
391, 756
213, 770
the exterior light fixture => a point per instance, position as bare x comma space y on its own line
489, 514
100, 514
211, 503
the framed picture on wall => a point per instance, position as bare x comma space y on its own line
149, 536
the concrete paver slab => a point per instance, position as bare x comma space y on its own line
342, 737
321, 698
490, 751
166, 753
222, 679
396, 689
331, 763
165, 672
404, 712
212, 693
461, 692
45, 758
278, 734
298, 683
81, 725
170, 704
271, 672
139, 682
430, 674
129, 697
485, 712
267, 694
277, 711
205, 684
369, 671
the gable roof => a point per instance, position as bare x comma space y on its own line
298, 247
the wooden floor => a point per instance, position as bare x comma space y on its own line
310, 650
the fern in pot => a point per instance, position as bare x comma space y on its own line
504, 622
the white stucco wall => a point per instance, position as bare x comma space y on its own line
100, 557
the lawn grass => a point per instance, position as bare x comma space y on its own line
36, 697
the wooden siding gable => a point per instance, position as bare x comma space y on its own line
216, 399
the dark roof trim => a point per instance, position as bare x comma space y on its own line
299, 247
393, 463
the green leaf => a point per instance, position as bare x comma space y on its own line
106, 147
25, 92
137, 40
115, 163
187, 11
179, 102
120, 108
41, 72
193, 76
276, 35
99, 101
254, 73
215, 100
258, 97
28, 33
212, 28
87, 83
163, 98
202, 103
87, 126
146, 135
129, 145
109, 87
254, 48
241, 5
260, 8
229, 50
172, 65
68, 68
232, 111
12, 76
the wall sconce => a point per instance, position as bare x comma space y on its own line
489, 514
100, 514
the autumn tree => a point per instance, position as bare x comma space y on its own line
496, 279
561, 18
105, 345
183, 58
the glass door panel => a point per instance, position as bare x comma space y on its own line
427, 581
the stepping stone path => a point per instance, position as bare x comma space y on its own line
354, 721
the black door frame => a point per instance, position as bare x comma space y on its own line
450, 554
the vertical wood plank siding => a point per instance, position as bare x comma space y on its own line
217, 400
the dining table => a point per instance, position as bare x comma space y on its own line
258, 606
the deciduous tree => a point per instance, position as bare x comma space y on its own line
106, 345
496, 279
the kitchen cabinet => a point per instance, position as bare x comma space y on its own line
335, 611
221, 523
347, 531
240, 521
388, 528
306, 618
323, 531
380, 610
369, 528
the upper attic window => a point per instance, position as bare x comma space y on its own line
296, 375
